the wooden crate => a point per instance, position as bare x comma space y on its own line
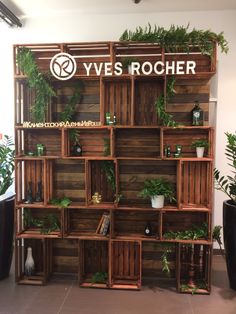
126, 264
193, 270
42, 255
94, 259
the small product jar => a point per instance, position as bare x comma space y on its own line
40, 150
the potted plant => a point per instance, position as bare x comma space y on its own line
227, 184
6, 204
157, 190
200, 146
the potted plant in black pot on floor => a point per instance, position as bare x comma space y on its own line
227, 184
6, 204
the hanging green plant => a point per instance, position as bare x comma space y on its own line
178, 38
166, 119
108, 168
37, 81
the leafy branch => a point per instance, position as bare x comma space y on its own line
178, 38
194, 233
36, 80
61, 202
108, 168
161, 102
7, 154
47, 224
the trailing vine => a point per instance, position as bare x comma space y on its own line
108, 168
36, 80
194, 233
166, 119
178, 38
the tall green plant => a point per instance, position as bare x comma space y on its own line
178, 38
37, 81
227, 184
7, 154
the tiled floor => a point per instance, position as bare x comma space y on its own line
65, 297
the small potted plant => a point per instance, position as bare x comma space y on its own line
157, 190
7, 154
200, 146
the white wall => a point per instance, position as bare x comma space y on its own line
109, 27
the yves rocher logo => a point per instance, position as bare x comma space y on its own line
63, 66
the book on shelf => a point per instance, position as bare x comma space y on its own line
103, 225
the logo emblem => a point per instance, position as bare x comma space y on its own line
63, 66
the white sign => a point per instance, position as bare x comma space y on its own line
63, 66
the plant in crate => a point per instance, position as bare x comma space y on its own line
7, 154
227, 184
200, 146
157, 190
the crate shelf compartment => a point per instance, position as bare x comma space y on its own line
185, 137
132, 224
138, 142
28, 138
29, 177
95, 142
152, 264
178, 222
117, 100
93, 264
196, 184
101, 178
146, 93
42, 255
86, 222
133, 173
193, 270
126, 264
66, 178
87, 107
38, 222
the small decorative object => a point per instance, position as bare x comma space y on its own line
29, 197
96, 198
40, 150
191, 271
148, 230
178, 151
167, 152
114, 120
77, 149
38, 197
200, 146
30, 153
197, 114
108, 118
29, 263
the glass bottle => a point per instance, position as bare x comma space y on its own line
148, 230
77, 149
197, 114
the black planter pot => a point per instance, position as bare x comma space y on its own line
229, 228
6, 234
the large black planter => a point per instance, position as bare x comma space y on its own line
6, 234
229, 228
